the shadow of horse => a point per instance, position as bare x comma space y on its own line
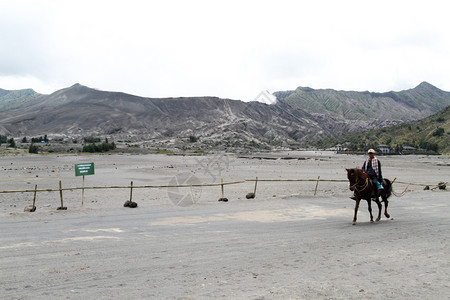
361, 184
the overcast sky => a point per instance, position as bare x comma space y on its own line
230, 49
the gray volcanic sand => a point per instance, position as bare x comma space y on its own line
181, 243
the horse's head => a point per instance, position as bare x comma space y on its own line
353, 175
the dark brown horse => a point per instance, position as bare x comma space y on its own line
361, 184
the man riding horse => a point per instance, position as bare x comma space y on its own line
367, 190
372, 167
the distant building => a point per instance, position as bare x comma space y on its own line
384, 149
408, 149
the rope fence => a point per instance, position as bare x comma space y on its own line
441, 185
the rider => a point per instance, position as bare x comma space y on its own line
372, 167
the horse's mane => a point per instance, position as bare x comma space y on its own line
358, 172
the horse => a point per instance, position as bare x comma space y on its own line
361, 184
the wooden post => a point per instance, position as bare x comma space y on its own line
33, 208
131, 191
61, 196
252, 195
82, 193
317, 184
256, 183
223, 199
60, 193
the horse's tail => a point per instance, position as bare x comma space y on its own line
388, 187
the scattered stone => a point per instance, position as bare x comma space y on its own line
130, 204
250, 196
29, 208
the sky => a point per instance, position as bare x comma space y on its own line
229, 49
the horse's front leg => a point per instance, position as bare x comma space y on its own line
369, 204
379, 209
356, 210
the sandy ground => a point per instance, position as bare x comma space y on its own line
184, 244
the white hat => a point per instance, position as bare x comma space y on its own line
371, 151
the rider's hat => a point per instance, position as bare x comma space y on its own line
371, 151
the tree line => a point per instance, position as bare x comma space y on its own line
4, 140
93, 144
103, 147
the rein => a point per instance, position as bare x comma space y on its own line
360, 188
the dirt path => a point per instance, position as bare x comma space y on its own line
291, 246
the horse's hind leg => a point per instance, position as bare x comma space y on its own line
356, 210
379, 210
386, 203
369, 204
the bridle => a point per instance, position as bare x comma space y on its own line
361, 187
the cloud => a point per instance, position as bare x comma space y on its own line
230, 49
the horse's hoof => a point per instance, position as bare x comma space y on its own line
378, 219
354, 223
371, 221
387, 215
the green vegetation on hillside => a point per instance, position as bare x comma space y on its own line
432, 134
9, 141
14, 99
91, 139
103, 147
412, 104
33, 149
39, 139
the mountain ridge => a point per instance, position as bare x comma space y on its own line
412, 104
10, 99
79, 111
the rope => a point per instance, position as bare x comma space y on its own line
124, 187
421, 184
402, 193
410, 183
210, 185
363, 187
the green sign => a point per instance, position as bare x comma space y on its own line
84, 169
